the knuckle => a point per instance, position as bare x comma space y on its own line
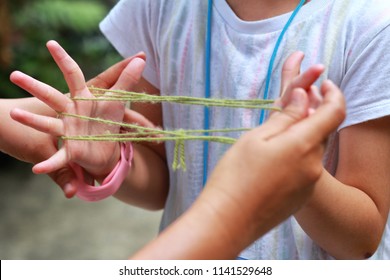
72, 71
49, 124
99, 81
130, 78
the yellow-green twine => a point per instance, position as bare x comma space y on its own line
121, 95
146, 134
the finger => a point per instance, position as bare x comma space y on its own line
109, 77
328, 116
44, 124
73, 75
66, 179
291, 68
131, 75
304, 81
70, 189
137, 118
307, 78
293, 112
54, 163
47, 94
315, 99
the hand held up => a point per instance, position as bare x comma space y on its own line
105, 155
271, 171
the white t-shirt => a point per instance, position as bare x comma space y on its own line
350, 37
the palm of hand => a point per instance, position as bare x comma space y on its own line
105, 154
97, 158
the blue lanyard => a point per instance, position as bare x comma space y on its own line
208, 76
207, 92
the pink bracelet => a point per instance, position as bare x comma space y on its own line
111, 183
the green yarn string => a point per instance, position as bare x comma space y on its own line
136, 133
146, 134
121, 95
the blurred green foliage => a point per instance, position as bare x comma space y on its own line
73, 23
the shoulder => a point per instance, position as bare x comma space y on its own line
364, 15
365, 37
161, 14
362, 22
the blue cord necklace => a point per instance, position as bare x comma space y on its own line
208, 75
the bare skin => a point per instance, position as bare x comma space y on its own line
233, 203
288, 139
253, 10
41, 146
352, 227
147, 183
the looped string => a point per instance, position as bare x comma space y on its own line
136, 133
179, 157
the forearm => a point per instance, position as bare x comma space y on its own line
195, 235
341, 219
218, 226
208, 230
240, 203
147, 183
20, 141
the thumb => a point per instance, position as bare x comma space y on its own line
65, 178
131, 75
134, 117
110, 76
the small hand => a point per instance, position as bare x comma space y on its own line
97, 158
292, 78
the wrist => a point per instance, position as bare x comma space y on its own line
110, 184
100, 174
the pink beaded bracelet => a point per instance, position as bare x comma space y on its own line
111, 183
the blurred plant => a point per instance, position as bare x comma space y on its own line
5, 34
73, 23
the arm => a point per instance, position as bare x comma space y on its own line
237, 208
13, 139
147, 184
105, 155
39, 146
348, 213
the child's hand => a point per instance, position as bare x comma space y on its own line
292, 79
97, 158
